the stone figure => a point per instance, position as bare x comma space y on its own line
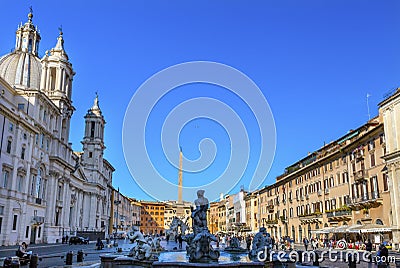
260, 243
199, 214
142, 250
199, 248
234, 246
177, 226
135, 234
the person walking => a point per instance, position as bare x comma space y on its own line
305, 242
180, 241
248, 242
368, 247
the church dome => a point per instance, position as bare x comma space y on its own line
21, 68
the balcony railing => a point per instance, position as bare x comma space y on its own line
271, 222
338, 213
311, 215
37, 220
270, 208
360, 175
370, 196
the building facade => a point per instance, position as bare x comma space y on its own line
390, 111
341, 186
47, 190
152, 217
173, 208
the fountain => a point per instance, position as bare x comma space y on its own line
234, 246
199, 251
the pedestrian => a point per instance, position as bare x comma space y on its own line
368, 247
305, 242
63, 240
248, 242
180, 241
167, 238
66, 239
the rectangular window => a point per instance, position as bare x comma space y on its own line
21, 106
33, 185
23, 153
39, 231
11, 127
90, 154
92, 127
1, 210
372, 160
14, 226
36, 139
385, 182
41, 140
27, 232
5, 178
9, 143
19, 183
1, 223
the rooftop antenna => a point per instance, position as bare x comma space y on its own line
369, 115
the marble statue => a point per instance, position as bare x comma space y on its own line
199, 248
135, 234
261, 243
234, 246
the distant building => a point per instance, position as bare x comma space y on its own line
122, 219
136, 208
152, 217
171, 210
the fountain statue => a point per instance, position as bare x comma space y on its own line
177, 226
144, 248
234, 246
261, 245
199, 247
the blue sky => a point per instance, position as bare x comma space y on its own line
315, 62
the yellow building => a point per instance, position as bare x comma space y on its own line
338, 189
152, 217
212, 217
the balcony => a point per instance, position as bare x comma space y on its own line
326, 190
339, 215
307, 197
37, 220
366, 201
314, 217
319, 193
270, 208
360, 175
271, 222
359, 153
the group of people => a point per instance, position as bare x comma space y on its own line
64, 239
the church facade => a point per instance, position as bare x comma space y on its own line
47, 190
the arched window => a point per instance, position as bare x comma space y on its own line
378, 221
